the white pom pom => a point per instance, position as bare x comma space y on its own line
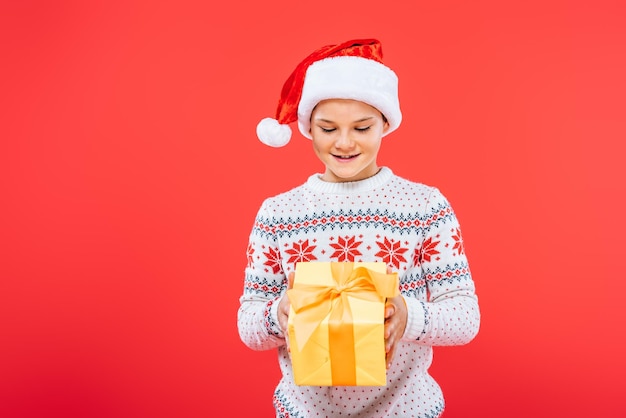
271, 133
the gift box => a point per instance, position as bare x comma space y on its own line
336, 323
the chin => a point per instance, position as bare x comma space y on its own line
349, 177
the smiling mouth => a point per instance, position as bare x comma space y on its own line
345, 157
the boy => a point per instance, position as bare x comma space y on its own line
346, 100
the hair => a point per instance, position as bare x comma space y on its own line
381, 113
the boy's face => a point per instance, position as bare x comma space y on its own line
346, 136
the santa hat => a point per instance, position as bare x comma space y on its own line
350, 70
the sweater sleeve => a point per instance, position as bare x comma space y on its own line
264, 284
449, 315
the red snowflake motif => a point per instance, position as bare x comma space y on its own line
249, 253
346, 249
301, 252
273, 260
458, 241
425, 252
391, 252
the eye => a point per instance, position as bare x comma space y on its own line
326, 130
362, 129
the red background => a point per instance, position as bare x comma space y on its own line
130, 175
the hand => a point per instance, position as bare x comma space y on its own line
396, 314
284, 305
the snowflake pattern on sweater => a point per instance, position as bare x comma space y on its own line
409, 226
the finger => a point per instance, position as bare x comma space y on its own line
390, 309
389, 331
389, 346
389, 358
290, 279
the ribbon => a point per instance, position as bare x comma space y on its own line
313, 303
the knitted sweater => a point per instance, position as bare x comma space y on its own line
409, 226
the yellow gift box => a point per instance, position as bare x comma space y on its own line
336, 323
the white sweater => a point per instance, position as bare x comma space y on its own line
408, 225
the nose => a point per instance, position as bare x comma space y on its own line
344, 140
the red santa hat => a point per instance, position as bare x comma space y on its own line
350, 70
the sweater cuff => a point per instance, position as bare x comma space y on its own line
416, 319
271, 319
